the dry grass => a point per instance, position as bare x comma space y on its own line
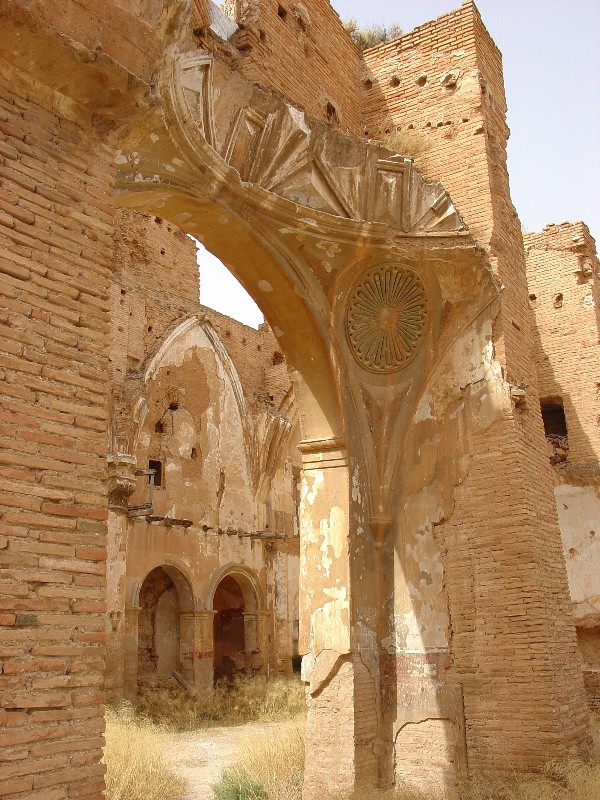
410, 143
135, 766
273, 769
567, 779
269, 768
368, 36
245, 699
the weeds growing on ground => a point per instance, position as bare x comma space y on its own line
275, 768
268, 769
135, 766
245, 699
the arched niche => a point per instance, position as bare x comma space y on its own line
239, 640
161, 640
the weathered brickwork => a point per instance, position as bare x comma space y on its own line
564, 293
441, 86
55, 271
257, 358
196, 393
434, 607
303, 51
563, 276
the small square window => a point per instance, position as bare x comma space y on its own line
157, 467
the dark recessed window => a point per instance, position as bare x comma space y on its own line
555, 428
157, 467
282, 12
553, 416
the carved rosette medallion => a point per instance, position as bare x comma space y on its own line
386, 316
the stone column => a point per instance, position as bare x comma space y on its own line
197, 647
121, 484
131, 651
336, 733
254, 660
256, 640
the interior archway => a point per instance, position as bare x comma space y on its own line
162, 644
237, 645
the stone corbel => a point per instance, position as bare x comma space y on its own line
380, 526
121, 480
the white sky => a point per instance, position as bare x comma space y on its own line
551, 53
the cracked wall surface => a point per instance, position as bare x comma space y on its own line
433, 602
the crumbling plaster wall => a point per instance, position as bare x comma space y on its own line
180, 400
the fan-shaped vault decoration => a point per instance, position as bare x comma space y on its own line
386, 317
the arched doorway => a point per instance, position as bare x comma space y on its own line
239, 641
162, 639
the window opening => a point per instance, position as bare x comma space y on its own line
156, 477
555, 428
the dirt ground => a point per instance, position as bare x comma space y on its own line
200, 757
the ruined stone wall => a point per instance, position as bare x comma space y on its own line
207, 508
155, 283
439, 89
56, 226
563, 278
303, 51
564, 293
257, 358
212, 419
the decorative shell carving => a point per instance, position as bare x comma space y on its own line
386, 316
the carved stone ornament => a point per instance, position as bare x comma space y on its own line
120, 489
121, 480
386, 316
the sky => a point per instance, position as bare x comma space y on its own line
551, 58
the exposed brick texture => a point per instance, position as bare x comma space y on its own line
442, 85
564, 293
55, 270
305, 53
508, 655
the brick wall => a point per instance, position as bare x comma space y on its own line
55, 269
441, 86
155, 284
256, 356
303, 51
562, 274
